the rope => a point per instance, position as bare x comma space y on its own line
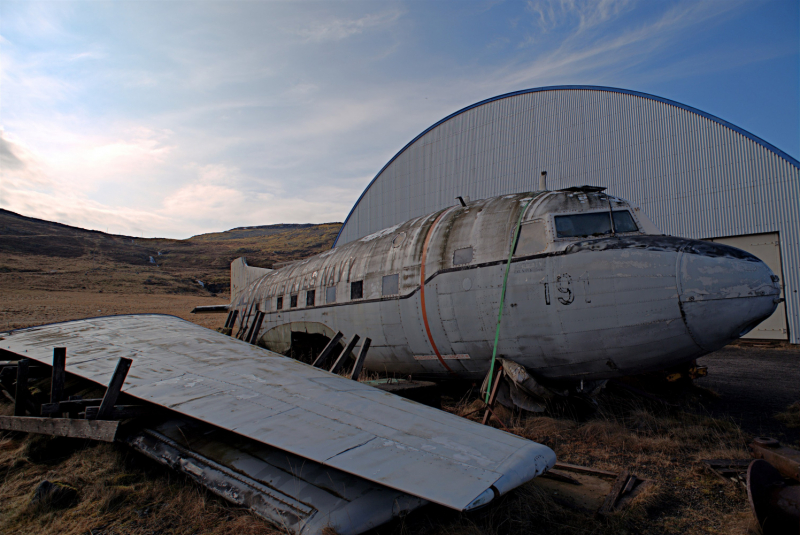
503, 298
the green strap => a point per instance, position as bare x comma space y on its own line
503, 299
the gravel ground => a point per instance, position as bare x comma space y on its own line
754, 383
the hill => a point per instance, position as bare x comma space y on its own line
54, 272
38, 254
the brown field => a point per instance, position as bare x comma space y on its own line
43, 280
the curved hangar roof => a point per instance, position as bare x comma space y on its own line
694, 174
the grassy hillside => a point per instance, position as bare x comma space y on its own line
42, 255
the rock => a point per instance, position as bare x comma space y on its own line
57, 495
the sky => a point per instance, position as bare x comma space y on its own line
171, 119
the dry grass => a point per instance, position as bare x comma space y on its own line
791, 416
118, 492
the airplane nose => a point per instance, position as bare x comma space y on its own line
724, 292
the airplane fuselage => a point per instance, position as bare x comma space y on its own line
588, 296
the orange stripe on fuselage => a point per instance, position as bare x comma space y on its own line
422, 291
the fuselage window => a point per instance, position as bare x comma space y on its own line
279, 303
330, 294
462, 256
310, 295
593, 224
293, 301
357, 290
531, 239
390, 285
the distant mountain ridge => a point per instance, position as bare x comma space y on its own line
28, 244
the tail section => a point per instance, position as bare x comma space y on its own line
242, 275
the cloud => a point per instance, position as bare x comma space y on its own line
337, 29
579, 53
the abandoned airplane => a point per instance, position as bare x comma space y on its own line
559, 287
588, 289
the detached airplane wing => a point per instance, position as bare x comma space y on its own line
289, 405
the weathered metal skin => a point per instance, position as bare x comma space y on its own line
576, 307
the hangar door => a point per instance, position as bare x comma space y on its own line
766, 247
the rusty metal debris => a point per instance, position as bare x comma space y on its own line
786, 460
772, 486
775, 504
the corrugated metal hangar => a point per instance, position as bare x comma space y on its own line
693, 174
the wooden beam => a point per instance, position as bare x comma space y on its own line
59, 373
323, 357
112, 392
249, 333
343, 356
259, 319
613, 496
362, 355
493, 397
584, 469
73, 405
104, 431
21, 395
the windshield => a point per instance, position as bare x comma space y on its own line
593, 224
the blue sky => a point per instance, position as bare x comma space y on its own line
176, 118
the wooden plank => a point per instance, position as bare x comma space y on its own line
104, 431
583, 469
59, 374
21, 395
259, 319
613, 496
326, 353
493, 396
249, 334
558, 475
343, 356
362, 355
112, 392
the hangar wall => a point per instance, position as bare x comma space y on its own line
695, 175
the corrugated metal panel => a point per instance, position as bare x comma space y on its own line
693, 174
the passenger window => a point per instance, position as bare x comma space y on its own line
279, 303
330, 294
390, 284
462, 256
531, 239
310, 295
357, 290
293, 301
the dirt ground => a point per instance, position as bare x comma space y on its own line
754, 383
24, 308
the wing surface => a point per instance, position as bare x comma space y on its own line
289, 405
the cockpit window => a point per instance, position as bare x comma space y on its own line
593, 224
623, 222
